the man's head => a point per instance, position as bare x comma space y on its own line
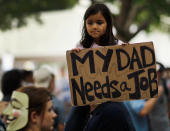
11, 80
27, 76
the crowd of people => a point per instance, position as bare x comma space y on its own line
41, 79
32, 102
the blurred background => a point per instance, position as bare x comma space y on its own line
39, 32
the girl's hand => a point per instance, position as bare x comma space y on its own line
76, 49
124, 44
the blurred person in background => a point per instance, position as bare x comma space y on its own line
27, 78
166, 83
159, 115
139, 112
145, 113
63, 89
11, 80
30, 109
43, 77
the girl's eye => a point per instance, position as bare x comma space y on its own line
99, 22
89, 22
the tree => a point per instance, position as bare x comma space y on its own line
14, 13
144, 15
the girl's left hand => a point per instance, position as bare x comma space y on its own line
76, 49
124, 44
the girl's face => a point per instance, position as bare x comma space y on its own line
96, 26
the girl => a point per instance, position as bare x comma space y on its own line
97, 29
97, 32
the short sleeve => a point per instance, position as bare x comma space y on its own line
119, 42
137, 105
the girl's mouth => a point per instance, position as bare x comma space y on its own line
95, 32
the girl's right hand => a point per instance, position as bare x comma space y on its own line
124, 44
76, 49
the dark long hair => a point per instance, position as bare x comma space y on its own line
108, 38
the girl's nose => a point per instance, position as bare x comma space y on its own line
94, 26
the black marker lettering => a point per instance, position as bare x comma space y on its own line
135, 75
89, 55
76, 88
143, 54
106, 59
97, 86
135, 58
120, 66
153, 81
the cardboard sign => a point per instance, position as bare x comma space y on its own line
112, 73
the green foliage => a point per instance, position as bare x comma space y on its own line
13, 13
145, 14
153, 10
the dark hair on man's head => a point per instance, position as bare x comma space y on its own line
108, 38
26, 73
11, 80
